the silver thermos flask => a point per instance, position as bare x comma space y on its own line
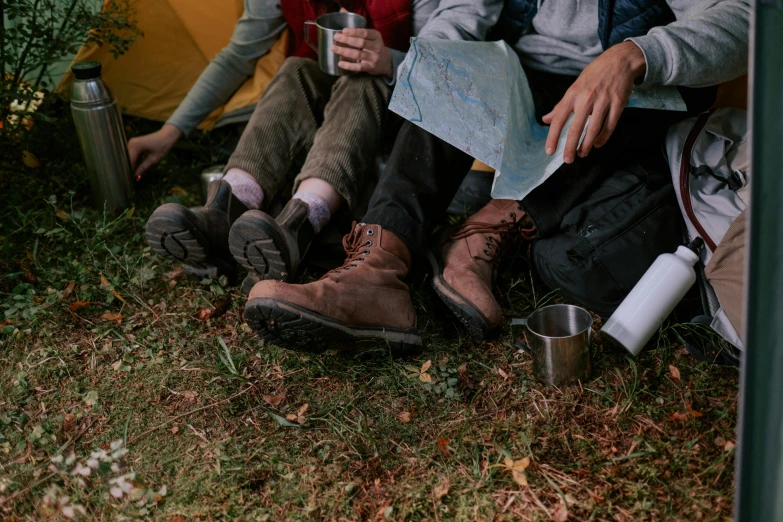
101, 134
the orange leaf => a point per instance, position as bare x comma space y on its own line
112, 316
425, 377
177, 190
69, 289
291, 417
273, 400
62, 215
694, 412
104, 282
681, 416
675, 372
404, 416
78, 304
443, 446
519, 478
426, 366
302, 410
116, 294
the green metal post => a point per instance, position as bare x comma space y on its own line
759, 495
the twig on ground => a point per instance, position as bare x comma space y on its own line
191, 412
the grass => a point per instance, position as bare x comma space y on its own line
218, 426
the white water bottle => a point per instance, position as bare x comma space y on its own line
653, 298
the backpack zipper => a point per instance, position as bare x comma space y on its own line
685, 185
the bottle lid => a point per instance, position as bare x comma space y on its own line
696, 245
86, 70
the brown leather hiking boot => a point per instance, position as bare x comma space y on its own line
365, 298
272, 248
468, 259
197, 236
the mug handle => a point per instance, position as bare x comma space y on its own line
520, 321
307, 35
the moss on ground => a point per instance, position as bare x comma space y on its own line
102, 341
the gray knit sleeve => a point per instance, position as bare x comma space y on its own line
254, 35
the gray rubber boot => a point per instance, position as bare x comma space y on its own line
198, 236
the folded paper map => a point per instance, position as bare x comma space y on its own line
475, 96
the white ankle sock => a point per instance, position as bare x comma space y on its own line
245, 188
319, 214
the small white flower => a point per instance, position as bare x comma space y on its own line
82, 470
93, 463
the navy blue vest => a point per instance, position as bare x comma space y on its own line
617, 19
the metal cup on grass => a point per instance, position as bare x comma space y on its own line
559, 343
329, 25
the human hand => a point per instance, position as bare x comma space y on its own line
366, 49
152, 148
601, 92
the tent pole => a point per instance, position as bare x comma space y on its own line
759, 464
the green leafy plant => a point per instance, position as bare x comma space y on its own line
36, 34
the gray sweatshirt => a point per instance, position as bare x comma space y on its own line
262, 23
706, 45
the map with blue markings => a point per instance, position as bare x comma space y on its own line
475, 96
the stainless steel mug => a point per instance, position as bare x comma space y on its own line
559, 343
329, 25
208, 175
101, 134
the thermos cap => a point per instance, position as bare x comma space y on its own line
86, 70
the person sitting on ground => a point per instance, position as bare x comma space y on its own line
582, 57
329, 127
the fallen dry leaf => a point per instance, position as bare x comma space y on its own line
116, 294
62, 215
273, 400
426, 366
174, 430
442, 489
190, 396
502, 373
404, 416
675, 372
729, 446
104, 283
462, 368
561, 513
177, 190
517, 468
76, 305
219, 310
302, 409
425, 377
29, 160
69, 290
291, 417
681, 416
443, 446
112, 316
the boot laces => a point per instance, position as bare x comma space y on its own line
495, 234
356, 248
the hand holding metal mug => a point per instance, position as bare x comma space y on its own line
363, 50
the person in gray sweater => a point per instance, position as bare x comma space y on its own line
595, 225
318, 131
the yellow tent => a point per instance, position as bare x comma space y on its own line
180, 38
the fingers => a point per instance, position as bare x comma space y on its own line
134, 151
556, 120
354, 66
615, 110
593, 128
575, 132
352, 54
367, 34
352, 41
149, 161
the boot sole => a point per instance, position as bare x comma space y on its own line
172, 236
255, 245
476, 322
304, 330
